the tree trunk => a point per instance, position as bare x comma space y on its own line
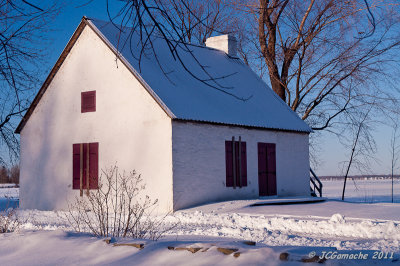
276, 84
268, 49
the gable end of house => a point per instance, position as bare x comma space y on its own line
85, 22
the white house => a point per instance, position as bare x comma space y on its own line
192, 143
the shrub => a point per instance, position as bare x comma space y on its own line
116, 208
9, 221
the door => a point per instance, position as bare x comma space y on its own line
266, 169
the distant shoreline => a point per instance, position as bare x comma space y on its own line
361, 177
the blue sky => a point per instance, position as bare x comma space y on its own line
331, 153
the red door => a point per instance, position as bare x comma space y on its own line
266, 169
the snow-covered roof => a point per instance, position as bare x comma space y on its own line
190, 99
239, 96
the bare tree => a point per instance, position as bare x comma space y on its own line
326, 57
198, 20
394, 151
22, 26
4, 178
362, 145
14, 174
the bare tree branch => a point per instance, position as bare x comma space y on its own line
23, 25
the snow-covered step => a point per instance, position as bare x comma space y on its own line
286, 200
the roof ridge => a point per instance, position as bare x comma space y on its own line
170, 39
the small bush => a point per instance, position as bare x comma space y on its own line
116, 209
9, 221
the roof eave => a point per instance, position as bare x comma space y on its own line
184, 120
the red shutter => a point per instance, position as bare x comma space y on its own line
229, 163
75, 166
262, 170
85, 146
244, 164
88, 101
271, 168
238, 184
94, 165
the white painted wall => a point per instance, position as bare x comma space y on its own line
132, 130
199, 163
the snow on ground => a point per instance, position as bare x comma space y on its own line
360, 224
318, 210
63, 248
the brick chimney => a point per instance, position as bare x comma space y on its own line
226, 43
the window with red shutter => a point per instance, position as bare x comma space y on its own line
236, 164
88, 101
85, 163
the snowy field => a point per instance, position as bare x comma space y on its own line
367, 224
364, 191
